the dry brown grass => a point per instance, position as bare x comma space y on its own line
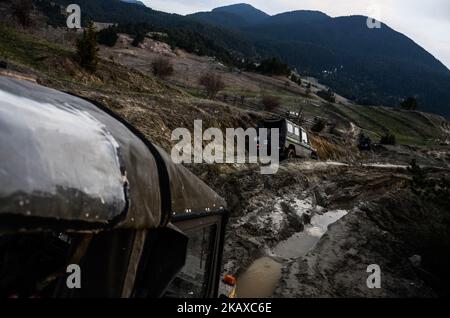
327, 150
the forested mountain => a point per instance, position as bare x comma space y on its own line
134, 2
203, 38
234, 16
246, 11
370, 66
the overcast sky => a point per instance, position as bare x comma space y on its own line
427, 22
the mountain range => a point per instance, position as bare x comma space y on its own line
377, 66
370, 66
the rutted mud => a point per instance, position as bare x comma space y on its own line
301, 243
326, 222
261, 279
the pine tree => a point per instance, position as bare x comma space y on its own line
22, 11
108, 36
87, 49
409, 104
138, 39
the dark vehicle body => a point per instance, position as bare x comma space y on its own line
293, 141
79, 186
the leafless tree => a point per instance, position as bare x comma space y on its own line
213, 84
162, 67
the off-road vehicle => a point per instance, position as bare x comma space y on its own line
294, 140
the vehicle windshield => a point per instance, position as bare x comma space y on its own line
192, 282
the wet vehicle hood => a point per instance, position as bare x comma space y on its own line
65, 162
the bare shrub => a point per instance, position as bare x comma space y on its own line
213, 84
270, 102
162, 67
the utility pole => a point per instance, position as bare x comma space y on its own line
300, 115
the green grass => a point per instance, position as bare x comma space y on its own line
408, 127
26, 49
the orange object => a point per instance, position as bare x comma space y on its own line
230, 280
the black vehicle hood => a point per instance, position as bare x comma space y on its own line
65, 161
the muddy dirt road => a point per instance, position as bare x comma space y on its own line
324, 223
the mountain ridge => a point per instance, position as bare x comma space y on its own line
250, 13
134, 2
369, 66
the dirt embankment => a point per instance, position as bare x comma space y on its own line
379, 218
398, 231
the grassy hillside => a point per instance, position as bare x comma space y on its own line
54, 63
410, 128
127, 85
369, 66
153, 106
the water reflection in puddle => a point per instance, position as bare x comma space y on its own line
262, 277
260, 280
301, 243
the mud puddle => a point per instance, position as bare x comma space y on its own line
262, 277
260, 280
301, 243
